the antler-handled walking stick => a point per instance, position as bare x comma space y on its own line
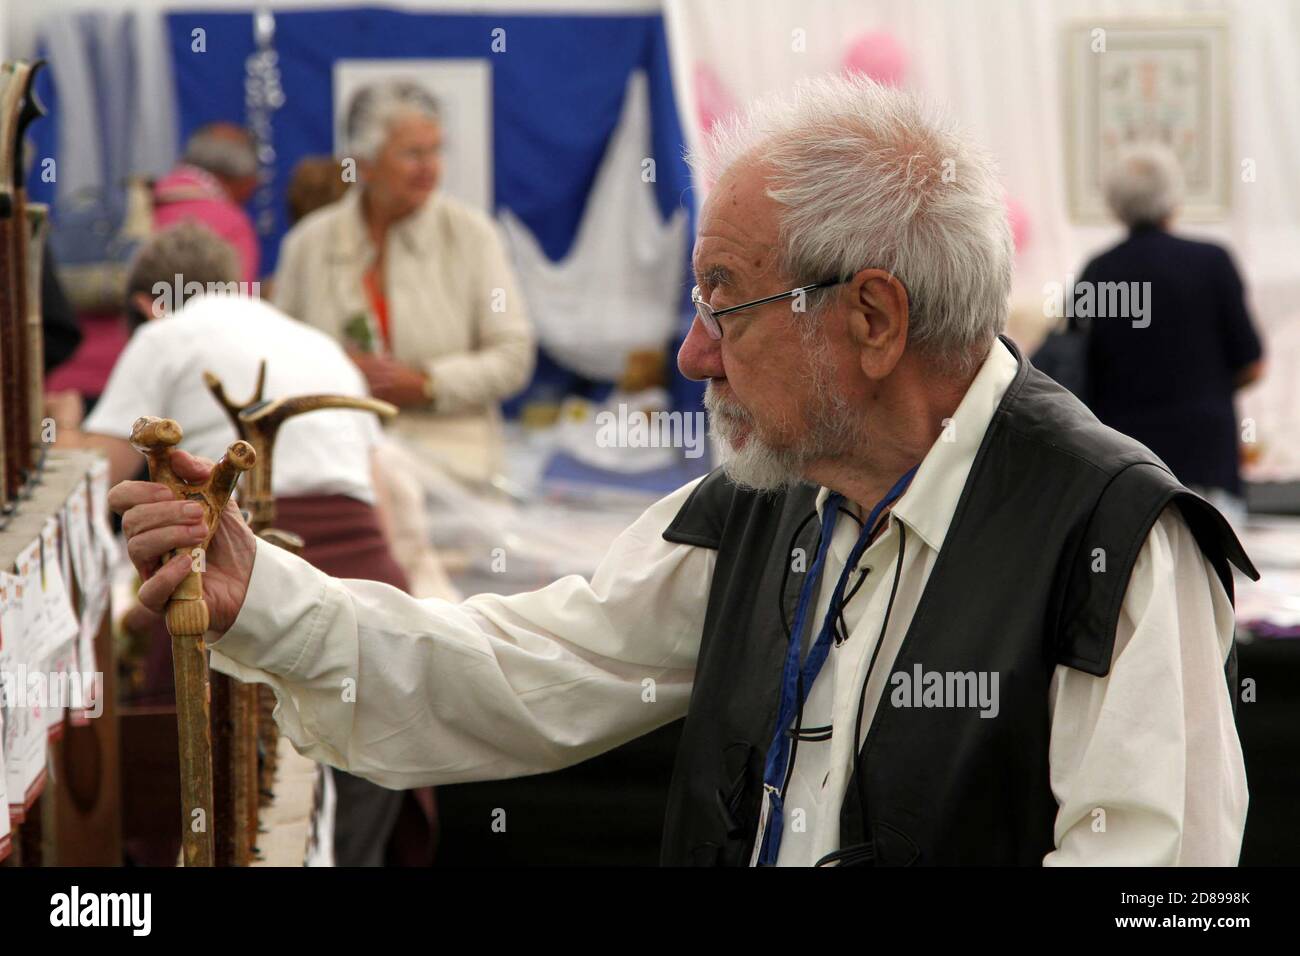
235, 704
258, 422
187, 621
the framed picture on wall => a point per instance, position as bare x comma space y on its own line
1149, 80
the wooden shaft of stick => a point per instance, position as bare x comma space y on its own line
233, 831
267, 733
187, 612
37, 225
10, 374
268, 736
190, 665
244, 765
18, 276
223, 796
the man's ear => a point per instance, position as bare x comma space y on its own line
878, 320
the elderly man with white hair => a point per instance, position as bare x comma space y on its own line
1169, 379
929, 612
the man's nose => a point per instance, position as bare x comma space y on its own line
700, 356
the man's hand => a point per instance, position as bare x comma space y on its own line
156, 523
391, 380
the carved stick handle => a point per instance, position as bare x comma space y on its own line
187, 614
239, 458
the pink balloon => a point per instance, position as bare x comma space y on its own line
879, 56
1019, 220
713, 101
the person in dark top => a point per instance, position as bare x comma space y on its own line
58, 318
1163, 368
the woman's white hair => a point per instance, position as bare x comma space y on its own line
1145, 185
375, 108
872, 177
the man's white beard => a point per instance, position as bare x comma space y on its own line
835, 431
755, 464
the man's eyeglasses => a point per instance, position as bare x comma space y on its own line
709, 316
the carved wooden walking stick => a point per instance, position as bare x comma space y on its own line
18, 107
187, 621
258, 422
38, 223
235, 714
261, 421
268, 735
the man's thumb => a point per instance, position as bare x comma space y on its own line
190, 467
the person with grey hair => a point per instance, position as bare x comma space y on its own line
216, 178
1168, 376
415, 283
913, 618
227, 152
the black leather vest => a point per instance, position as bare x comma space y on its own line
1015, 590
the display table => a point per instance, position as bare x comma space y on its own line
63, 794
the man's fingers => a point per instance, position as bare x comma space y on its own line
190, 467
158, 514
155, 592
148, 547
128, 494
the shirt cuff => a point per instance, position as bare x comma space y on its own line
280, 617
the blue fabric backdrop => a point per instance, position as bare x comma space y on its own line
557, 93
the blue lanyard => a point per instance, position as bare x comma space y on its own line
778, 754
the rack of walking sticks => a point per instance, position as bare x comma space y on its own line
59, 800
22, 233
228, 738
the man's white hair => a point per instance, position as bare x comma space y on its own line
873, 177
375, 108
1145, 185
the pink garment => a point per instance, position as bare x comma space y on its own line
188, 192
103, 337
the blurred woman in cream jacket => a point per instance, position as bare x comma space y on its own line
415, 284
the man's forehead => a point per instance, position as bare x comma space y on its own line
738, 230
722, 261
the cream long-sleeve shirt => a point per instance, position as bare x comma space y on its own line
408, 693
454, 310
